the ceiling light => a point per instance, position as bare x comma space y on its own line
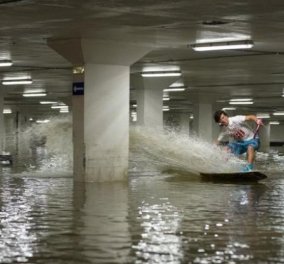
262, 115
42, 121
29, 90
174, 89
274, 123
278, 113
78, 70
241, 100
34, 94
7, 111
160, 73
16, 81
166, 108
238, 44
166, 98
229, 108
177, 84
59, 106
5, 63
63, 110
47, 102
240, 103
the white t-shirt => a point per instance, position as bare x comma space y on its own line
237, 129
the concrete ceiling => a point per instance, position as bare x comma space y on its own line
168, 28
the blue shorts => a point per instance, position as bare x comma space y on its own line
239, 147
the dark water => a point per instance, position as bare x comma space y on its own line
154, 218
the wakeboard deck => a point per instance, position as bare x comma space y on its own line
233, 176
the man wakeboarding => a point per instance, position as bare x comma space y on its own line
245, 140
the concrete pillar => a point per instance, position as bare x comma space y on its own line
203, 121
178, 122
264, 136
184, 123
2, 127
78, 130
10, 132
149, 93
106, 120
106, 102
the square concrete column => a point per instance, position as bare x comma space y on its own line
78, 131
106, 104
2, 127
106, 122
203, 121
149, 93
264, 136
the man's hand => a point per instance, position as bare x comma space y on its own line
259, 122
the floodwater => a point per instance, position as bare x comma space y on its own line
164, 214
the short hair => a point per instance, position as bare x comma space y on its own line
218, 114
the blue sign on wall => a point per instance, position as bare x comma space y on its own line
78, 88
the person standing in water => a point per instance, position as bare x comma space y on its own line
244, 139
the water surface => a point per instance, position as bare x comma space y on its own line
154, 218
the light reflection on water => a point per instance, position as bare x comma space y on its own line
152, 219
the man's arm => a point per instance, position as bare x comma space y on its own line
254, 118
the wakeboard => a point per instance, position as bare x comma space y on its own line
234, 176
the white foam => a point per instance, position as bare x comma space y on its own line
171, 150
47, 148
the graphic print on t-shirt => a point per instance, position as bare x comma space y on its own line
238, 133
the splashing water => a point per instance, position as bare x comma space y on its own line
48, 147
150, 149
153, 148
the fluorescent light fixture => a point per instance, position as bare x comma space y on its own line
16, 81
241, 103
48, 102
160, 73
174, 89
262, 115
59, 106
177, 84
166, 108
229, 108
78, 70
7, 111
42, 121
5, 63
134, 116
238, 44
278, 113
166, 99
274, 123
241, 100
34, 94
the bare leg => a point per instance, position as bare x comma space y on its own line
250, 154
